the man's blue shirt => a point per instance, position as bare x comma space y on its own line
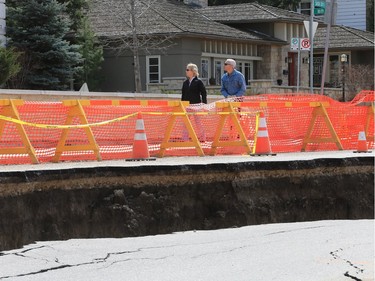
233, 84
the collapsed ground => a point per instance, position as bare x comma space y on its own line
138, 201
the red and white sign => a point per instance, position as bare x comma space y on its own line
305, 44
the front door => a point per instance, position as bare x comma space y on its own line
292, 69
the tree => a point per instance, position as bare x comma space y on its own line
92, 55
370, 15
90, 48
359, 77
75, 10
9, 65
131, 31
290, 5
37, 29
283, 4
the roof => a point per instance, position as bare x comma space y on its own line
112, 17
250, 12
343, 37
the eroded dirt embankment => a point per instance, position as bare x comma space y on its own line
137, 201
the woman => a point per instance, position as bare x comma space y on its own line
194, 91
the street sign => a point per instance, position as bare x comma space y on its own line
319, 7
294, 44
305, 44
306, 23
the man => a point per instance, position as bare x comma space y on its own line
232, 82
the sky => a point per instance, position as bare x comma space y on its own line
317, 251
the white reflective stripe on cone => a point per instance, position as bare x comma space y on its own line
139, 125
362, 136
140, 136
262, 134
262, 123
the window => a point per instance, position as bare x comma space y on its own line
305, 8
247, 72
317, 70
334, 71
204, 69
246, 69
218, 72
153, 69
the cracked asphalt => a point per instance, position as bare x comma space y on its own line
317, 251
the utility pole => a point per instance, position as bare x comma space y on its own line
330, 17
311, 44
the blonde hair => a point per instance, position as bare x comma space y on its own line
193, 67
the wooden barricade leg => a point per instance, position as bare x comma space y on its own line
230, 113
10, 110
194, 139
320, 111
76, 110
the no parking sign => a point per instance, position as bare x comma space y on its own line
305, 44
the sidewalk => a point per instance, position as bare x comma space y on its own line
191, 160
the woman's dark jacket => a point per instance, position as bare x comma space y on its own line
195, 93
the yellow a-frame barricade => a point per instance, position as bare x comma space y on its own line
320, 111
180, 111
76, 111
229, 112
9, 109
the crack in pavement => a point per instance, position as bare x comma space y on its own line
350, 276
297, 229
358, 270
94, 261
21, 254
44, 270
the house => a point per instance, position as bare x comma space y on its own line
2, 23
257, 36
358, 45
351, 13
346, 12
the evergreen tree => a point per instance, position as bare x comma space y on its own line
90, 48
370, 15
9, 65
92, 55
37, 29
75, 10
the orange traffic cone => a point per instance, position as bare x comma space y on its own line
362, 143
140, 145
262, 142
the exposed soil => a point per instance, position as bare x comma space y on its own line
138, 201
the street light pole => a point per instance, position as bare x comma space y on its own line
311, 45
343, 59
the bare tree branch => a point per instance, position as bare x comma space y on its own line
132, 29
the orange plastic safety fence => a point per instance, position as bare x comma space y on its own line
288, 117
